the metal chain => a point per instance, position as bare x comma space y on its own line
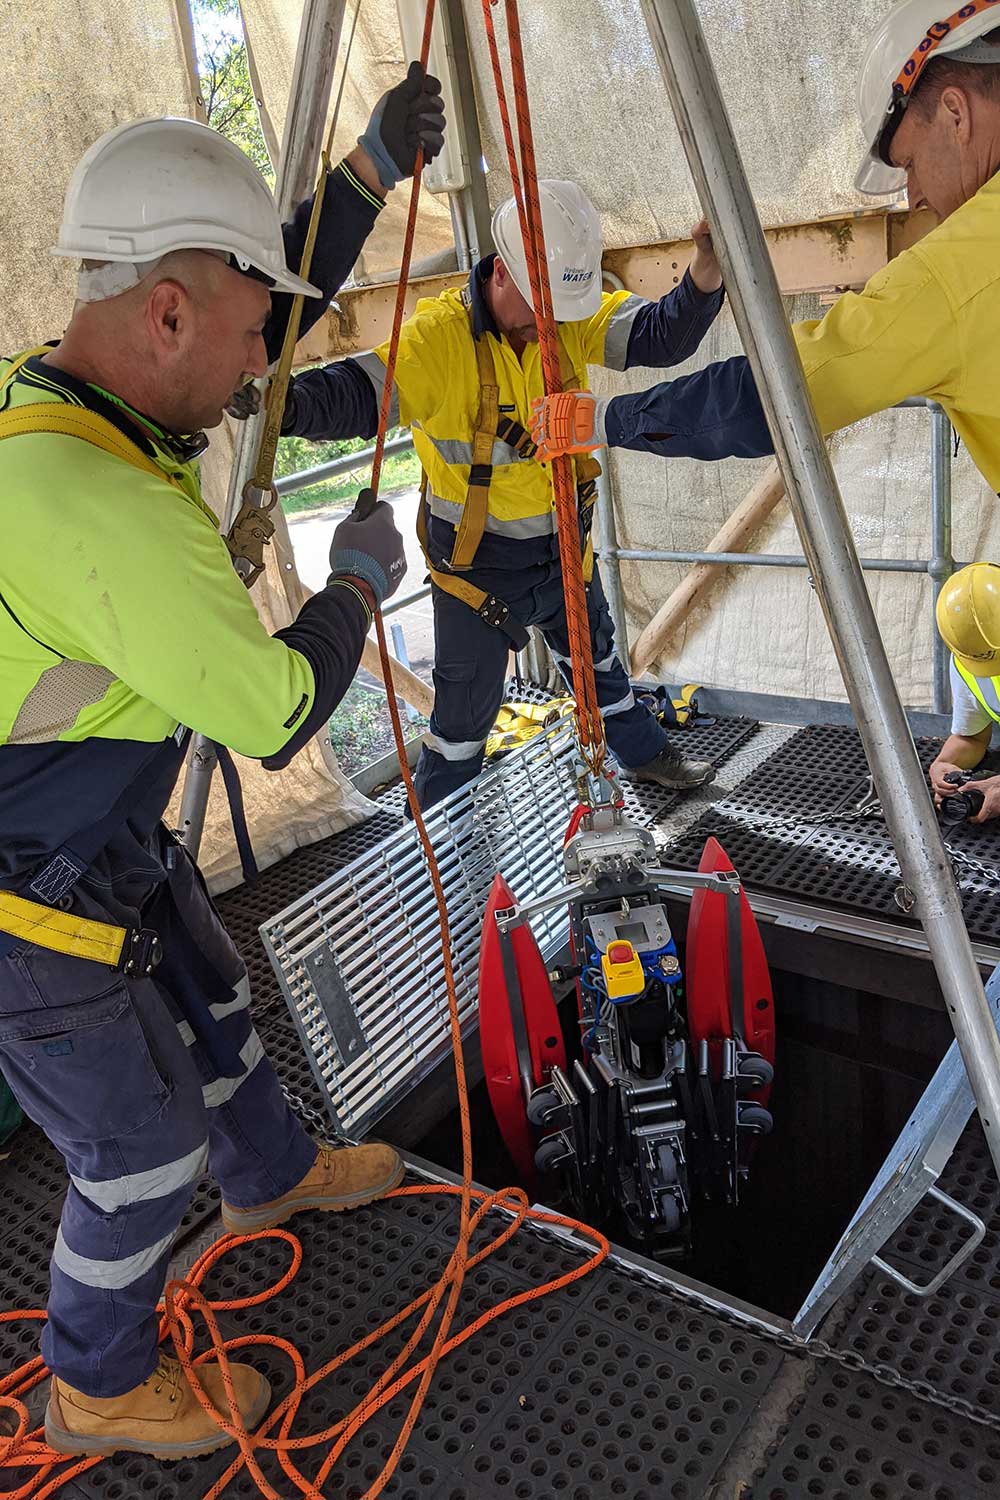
764, 821
307, 1113
821, 1352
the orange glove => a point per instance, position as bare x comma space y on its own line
572, 422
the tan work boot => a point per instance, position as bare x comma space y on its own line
161, 1417
344, 1177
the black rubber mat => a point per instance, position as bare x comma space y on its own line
951, 1339
855, 1439
847, 864
605, 1389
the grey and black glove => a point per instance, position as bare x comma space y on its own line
370, 549
407, 118
245, 403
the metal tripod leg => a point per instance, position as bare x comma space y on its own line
910, 1171
819, 513
305, 127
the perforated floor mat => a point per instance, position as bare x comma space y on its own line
605, 1389
855, 1439
765, 827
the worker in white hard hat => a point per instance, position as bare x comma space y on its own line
968, 619
125, 1028
928, 324
467, 373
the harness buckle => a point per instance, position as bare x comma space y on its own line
141, 952
494, 611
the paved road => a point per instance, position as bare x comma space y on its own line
311, 533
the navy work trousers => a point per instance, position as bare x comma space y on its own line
114, 1073
470, 667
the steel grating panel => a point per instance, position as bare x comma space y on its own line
358, 958
374, 925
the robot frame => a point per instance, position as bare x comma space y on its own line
662, 1105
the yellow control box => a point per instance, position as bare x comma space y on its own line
623, 972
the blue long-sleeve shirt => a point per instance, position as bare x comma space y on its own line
341, 400
714, 413
349, 213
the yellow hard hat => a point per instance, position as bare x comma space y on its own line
968, 617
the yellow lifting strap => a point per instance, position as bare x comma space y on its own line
517, 723
79, 937
685, 706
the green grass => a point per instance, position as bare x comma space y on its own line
401, 471
361, 730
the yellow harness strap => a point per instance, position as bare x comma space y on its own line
493, 610
477, 500
60, 930
76, 421
472, 525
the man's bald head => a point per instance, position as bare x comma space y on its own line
178, 343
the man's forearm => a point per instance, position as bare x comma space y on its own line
669, 331
963, 750
714, 413
350, 208
336, 401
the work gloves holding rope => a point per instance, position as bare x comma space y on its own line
408, 119
368, 546
572, 422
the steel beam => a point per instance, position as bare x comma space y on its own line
720, 179
305, 126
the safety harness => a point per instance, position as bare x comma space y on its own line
490, 425
130, 950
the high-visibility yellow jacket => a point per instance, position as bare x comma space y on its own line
928, 324
437, 386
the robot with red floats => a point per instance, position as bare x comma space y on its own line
661, 1105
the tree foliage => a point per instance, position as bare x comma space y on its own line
224, 72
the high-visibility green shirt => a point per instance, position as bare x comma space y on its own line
122, 615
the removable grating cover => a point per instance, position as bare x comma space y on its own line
359, 959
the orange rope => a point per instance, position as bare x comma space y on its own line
524, 177
27, 1449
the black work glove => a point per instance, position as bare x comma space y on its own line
408, 117
244, 403
370, 549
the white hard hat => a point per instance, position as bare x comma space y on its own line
573, 248
911, 35
157, 185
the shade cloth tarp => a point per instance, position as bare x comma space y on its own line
77, 68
